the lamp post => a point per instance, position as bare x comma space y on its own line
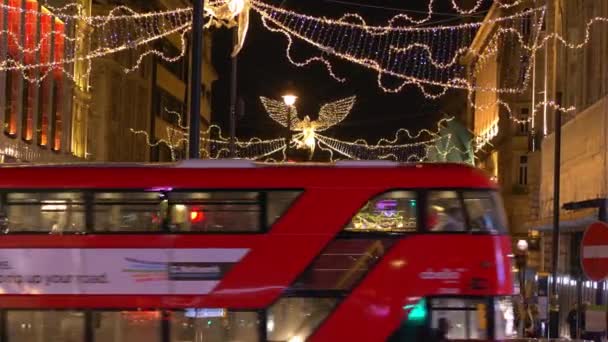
290, 100
194, 134
521, 259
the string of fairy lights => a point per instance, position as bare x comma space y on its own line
424, 145
401, 52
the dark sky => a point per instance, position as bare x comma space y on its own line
265, 71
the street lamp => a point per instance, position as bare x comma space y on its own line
290, 100
521, 257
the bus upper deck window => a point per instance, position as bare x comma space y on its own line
392, 212
129, 211
44, 212
216, 211
444, 212
485, 211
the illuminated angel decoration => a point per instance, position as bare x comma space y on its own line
330, 115
230, 13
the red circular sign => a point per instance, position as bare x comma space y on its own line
594, 251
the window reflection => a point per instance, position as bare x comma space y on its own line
295, 319
45, 212
232, 327
142, 211
504, 318
445, 212
342, 264
457, 318
485, 211
216, 211
277, 204
35, 326
391, 212
127, 211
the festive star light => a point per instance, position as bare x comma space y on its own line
330, 115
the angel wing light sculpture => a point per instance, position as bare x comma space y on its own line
230, 13
330, 115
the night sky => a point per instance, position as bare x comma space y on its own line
265, 71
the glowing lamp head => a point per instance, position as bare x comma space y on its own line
290, 99
236, 6
522, 245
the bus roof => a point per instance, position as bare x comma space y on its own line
229, 174
228, 164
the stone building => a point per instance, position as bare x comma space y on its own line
521, 154
43, 120
142, 99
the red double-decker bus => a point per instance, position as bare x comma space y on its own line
238, 251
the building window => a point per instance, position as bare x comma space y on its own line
57, 128
523, 170
28, 111
523, 126
178, 68
169, 106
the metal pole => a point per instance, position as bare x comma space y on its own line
195, 80
554, 309
289, 113
233, 95
599, 293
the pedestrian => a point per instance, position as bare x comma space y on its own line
573, 317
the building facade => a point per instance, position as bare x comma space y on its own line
43, 110
503, 124
145, 99
521, 153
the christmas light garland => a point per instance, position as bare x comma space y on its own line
213, 144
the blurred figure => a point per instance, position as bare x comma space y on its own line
454, 221
532, 324
576, 318
443, 328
